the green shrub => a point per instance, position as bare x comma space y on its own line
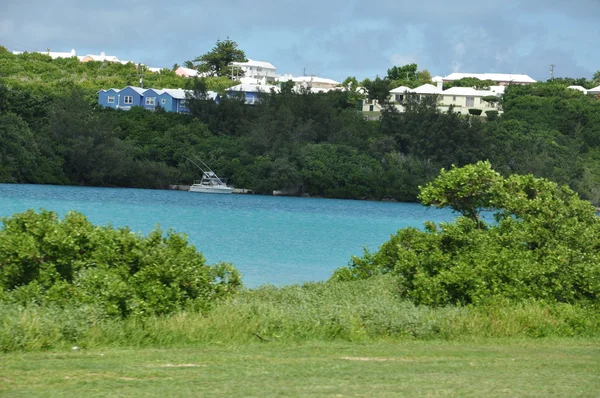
475, 112
543, 245
491, 115
48, 260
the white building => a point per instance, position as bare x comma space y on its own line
579, 88
255, 70
102, 57
188, 72
53, 54
594, 91
501, 78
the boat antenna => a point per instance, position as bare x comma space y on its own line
194, 163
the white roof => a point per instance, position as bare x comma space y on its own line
400, 90
498, 89
313, 79
253, 88
579, 88
155, 70
468, 91
426, 89
53, 54
103, 57
176, 93
138, 90
496, 77
188, 71
595, 90
437, 79
251, 62
157, 91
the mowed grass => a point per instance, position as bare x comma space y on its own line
489, 368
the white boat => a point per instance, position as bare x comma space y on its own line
210, 182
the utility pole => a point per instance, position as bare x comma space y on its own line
552, 71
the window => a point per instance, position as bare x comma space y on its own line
470, 101
163, 101
128, 99
454, 98
111, 99
150, 100
399, 97
183, 102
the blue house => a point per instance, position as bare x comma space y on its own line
152, 99
108, 98
121, 99
251, 92
171, 100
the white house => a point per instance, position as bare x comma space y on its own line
579, 88
502, 79
594, 91
310, 82
464, 98
53, 54
188, 72
256, 70
102, 57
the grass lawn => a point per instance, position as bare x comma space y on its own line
489, 368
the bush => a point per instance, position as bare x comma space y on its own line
475, 112
542, 246
48, 260
491, 115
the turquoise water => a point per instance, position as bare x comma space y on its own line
276, 240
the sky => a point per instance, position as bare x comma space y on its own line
327, 38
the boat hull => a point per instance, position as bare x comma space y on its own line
201, 189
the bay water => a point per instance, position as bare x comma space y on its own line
274, 240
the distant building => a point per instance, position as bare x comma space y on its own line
53, 54
502, 79
594, 91
188, 72
258, 70
251, 92
579, 88
171, 100
102, 57
313, 83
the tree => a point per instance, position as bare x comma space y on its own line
216, 62
189, 64
466, 190
542, 245
471, 82
596, 78
406, 72
378, 89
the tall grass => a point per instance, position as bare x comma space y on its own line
361, 310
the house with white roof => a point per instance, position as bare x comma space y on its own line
251, 92
502, 79
461, 99
578, 88
188, 72
255, 70
102, 57
311, 81
594, 91
53, 54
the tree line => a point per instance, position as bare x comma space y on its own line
52, 131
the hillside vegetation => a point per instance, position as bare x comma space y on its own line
52, 131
